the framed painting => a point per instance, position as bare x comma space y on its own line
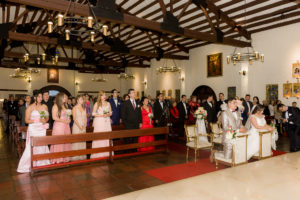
138, 94
163, 92
143, 93
231, 92
296, 70
271, 92
214, 65
287, 90
53, 76
170, 93
177, 95
296, 90
157, 93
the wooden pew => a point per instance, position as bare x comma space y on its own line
62, 139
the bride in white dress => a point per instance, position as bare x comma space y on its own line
37, 127
257, 123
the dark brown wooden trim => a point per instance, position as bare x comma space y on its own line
13, 90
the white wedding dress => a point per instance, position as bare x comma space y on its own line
253, 137
35, 129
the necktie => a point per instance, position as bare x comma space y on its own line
133, 104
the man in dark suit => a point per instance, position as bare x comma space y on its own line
183, 114
220, 102
247, 108
160, 111
12, 110
22, 110
210, 109
291, 116
49, 103
116, 106
131, 116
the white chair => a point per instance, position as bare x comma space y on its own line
193, 141
265, 145
217, 131
239, 153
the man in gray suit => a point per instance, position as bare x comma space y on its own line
22, 110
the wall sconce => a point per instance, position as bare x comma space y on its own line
244, 72
144, 83
76, 83
29, 79
181, 79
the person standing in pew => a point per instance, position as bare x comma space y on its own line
49, 103
61, 126
79, 126
22, 110
131, 117
116, 106
37, 127
101, 113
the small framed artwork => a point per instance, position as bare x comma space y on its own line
231, 92
138, 94
296, 70
157, 92
163, 92
287, 90
271, 92
177, 95
214, 65
143, 93
169, 93
53, 76
296, 90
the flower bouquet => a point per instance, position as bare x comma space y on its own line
200, 113
150, 115
105, 111
44, 114
230, 133
230, 136
69, 112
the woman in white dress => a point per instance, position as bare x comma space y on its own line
79, 126
257, 124
37, 127
101, 123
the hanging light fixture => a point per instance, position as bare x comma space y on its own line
125, 76
165, 68
69, 20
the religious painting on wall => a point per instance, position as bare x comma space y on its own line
143, 93
214, 65
177, 95
296, 90
53, 76
138, 94
287, 90
163, 92
296, 70
170, 93
231, 92
271, 92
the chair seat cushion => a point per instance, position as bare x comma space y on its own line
220, 156
199, 145
218, 140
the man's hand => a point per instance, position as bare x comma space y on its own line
243, 130
284, 120
141, 125
156, 121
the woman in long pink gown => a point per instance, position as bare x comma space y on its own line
101, 123
146, 123
37, 127
61, 126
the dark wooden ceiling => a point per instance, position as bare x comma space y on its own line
200, 22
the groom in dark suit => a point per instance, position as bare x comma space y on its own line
116, 106
183, 114
131, 115
291, 116
247, 108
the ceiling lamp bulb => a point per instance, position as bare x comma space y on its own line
90, 22
60, 20
92, 36
256, 55
228, 59
38, 61
44, 56
104, 29
56, 58
50, 27
67, 34
262, 57
250, 61
239, 56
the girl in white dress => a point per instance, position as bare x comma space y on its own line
37, 127
257, 124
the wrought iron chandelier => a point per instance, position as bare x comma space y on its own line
24, 73
249, 56
71, 21
125, 76
165, 68
99, 79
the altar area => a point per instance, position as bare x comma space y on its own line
273, 178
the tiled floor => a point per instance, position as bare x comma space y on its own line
94, 181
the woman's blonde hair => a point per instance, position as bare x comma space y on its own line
60, 103
99, 102
78, 97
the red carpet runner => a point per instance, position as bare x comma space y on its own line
190, 169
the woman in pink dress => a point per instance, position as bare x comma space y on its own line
101, 123
61, 117
147, 116
37, 127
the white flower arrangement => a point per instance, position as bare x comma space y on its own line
69, 112
200, 113
44, 114
150, 115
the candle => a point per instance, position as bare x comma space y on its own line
67, 34
60, 20
90, 22
228, 59
44, 56
92, 36
239, 56
104, 27
50, 27
262, 57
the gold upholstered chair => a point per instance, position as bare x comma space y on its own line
265, 145
216, 129
193, 141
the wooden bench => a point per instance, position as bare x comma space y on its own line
64, 139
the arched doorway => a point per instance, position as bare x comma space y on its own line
203, 91
55, 89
